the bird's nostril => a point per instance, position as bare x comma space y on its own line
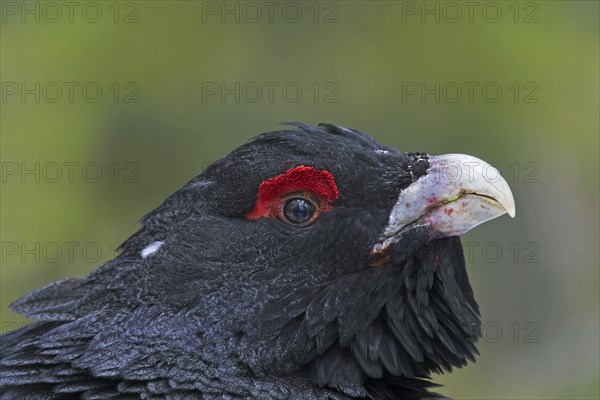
420, 166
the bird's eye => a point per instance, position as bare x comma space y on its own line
298, 211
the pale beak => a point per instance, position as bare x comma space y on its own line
458, 193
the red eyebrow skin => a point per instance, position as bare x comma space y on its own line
298, 179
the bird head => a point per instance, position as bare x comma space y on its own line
313, 251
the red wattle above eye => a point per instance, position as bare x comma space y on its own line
299, 179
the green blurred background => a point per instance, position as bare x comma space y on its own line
169, 105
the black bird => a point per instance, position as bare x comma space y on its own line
311, 263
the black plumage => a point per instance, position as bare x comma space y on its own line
232, 307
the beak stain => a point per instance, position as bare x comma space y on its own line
378, 257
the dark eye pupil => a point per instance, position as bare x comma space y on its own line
298, 211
